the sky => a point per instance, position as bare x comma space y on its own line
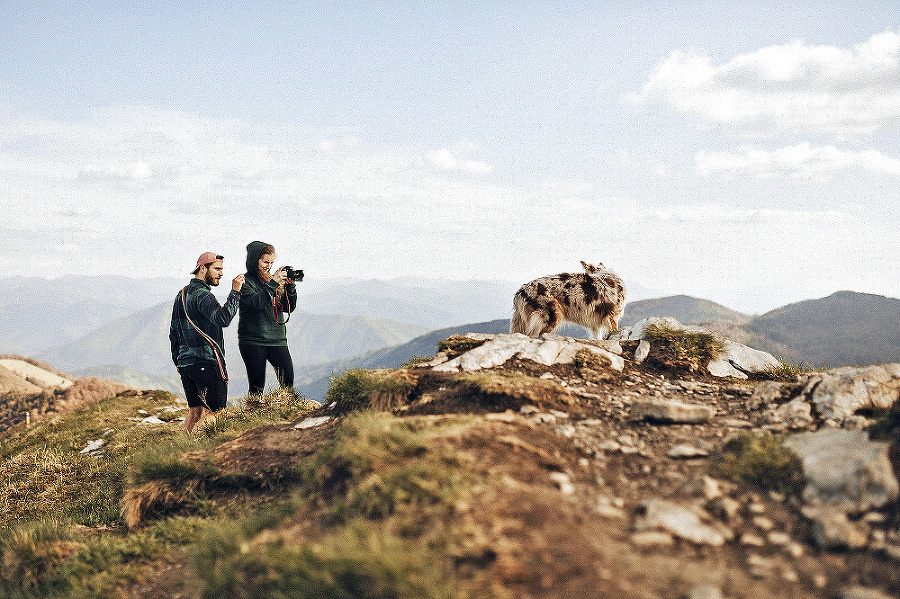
740, 153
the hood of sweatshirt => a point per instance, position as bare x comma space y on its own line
254, 251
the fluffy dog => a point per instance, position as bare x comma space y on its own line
594, 299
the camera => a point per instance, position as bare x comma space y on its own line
295, 275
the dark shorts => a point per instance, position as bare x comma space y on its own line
204, 386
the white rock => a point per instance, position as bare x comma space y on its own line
662, 410
838, 393
658, 514
642, 351
686, 451
735, 361
845, 469
93, 446
312, 422
547, 350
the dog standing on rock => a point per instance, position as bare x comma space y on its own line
594, 299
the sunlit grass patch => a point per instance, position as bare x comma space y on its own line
380, 496
785, 372
682, 349
455, 345
760, 460
359, 561
361, 389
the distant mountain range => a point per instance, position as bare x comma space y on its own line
117, 328
846, 328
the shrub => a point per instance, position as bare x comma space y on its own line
455, 345
681, 349
760, 460
361, 389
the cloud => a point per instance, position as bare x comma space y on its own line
446, 159
791, 88
800, 161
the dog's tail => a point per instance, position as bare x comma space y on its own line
534, 316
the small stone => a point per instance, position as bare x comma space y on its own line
752, 540
312, 422
860, 592
607, 509
789, 575
763, 523
674, 412
562, 482
661, 514
642, 351
702, 486
610, 446
779, 538
566, 430
795, 549
652, 538
832, 529
760, 566
685, 451
705, 591
725, 508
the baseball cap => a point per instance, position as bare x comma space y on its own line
204, 259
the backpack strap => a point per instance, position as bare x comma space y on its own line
217, 351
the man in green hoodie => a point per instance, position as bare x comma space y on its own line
266, 303
195, 334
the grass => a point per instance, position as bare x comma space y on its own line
760, 460
455, 345
684, 350
361, 389
63, 530
785, 372
366, 516
380, 495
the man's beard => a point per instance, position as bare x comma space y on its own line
211, 280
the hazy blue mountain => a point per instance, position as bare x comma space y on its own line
135, 378
141, 341
36, 314
313, 381
843, 329
684, 308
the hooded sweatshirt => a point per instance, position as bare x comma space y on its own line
261, 318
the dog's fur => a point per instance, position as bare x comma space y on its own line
594, 299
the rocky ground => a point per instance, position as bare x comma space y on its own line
613, 484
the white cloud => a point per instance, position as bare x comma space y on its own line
800, 161
794, 87
447, 159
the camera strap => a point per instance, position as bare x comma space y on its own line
217, 351
276, 301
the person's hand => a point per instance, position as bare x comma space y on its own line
237, 282
279, 276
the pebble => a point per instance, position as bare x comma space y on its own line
685, 451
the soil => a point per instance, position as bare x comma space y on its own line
576, 468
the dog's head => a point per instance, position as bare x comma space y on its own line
590, 268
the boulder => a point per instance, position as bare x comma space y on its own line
661, 515
736, 360
837, 394
547, 350
673, 412
845, 469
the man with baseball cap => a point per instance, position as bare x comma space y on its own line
195, 333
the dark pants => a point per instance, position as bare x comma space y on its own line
204, 386
255, 358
